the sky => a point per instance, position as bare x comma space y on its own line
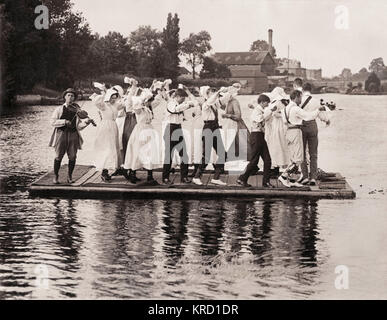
326, 34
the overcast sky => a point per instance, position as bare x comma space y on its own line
309, 27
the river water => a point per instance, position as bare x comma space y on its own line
231, 249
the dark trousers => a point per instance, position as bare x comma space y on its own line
173, 136
258, 149
211, 138
310, 138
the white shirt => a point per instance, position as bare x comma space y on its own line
296, 115
313, 105
258, 117
174, 112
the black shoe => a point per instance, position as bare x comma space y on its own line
135, 178
129, 177
185, 180
118, 172
105, 176
268, 185
243, 183
167, 182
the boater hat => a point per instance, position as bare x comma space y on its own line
69, 90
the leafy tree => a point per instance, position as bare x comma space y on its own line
170, 48
213, 69
363, 70
372, 84
377, 65
262, 45
195, 47
346, 74
145, 43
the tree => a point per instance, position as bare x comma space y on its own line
170, 47
262, 45
195, 47
377, 65
213, 69
346, 74
111, 54
363, 70
372, 84
145, 43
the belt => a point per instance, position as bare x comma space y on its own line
211, 121
295, 127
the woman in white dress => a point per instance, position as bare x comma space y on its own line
143, 150
107, 146
275, 130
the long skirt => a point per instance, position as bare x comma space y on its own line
106, 146
143, 149
275, 136
130, 123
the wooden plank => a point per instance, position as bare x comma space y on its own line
180, 192
85, 177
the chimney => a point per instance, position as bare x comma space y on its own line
271, 41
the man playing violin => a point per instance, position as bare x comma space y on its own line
66, 137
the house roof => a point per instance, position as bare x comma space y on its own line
244, 58
183, 70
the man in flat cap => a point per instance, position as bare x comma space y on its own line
66, 137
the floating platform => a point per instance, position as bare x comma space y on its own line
88, 184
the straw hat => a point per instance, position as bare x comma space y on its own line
69, 90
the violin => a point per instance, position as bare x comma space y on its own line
82, 114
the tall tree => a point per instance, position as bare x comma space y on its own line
372, 84
171, 47
377, 65
195, 47
145, 42
262, 45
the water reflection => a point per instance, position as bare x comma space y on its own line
69, 236
175, 219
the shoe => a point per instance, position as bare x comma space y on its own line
295, 184
70, 180
185, 180
243, 183
118, 172
105, 177
284, 181
312, 182
304, 181
197, 181
136, 179
167, 182
55, 180
218, 182
268, 185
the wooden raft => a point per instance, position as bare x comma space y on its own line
88, 184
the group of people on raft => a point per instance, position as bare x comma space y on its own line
283, 132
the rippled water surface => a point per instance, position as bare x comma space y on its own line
231, 249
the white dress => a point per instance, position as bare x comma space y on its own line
275, 136
143, 149
106, 146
